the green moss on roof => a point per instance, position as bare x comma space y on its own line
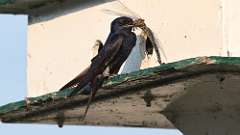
120, 79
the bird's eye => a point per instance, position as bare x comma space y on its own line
122, 23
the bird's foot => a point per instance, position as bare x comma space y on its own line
86, 90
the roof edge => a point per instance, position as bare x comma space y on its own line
117, 80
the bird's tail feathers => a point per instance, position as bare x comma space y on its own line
77, 81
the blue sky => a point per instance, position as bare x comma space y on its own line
13, 42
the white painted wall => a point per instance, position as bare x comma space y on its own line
231, 19
60, 49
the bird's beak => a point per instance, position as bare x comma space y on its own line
139, 23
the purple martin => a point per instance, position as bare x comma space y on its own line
109, 59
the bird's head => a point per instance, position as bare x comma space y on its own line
126, 23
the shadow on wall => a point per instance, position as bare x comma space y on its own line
59, 8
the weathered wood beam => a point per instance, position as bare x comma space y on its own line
117, 86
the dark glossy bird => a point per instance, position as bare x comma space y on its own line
78, 79
110, 58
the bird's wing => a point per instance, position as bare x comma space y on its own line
109, 51
104, 56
